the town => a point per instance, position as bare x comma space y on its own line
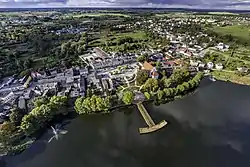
80, 56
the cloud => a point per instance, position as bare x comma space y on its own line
128, 3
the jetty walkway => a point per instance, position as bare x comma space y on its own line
151, 125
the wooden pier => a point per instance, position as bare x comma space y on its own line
151, 125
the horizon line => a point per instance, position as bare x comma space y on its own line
127, 7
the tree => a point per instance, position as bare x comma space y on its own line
167, 92
29, 124
160, 94
191, 83
128, 97
92, 104
58, 102
16, 116
141, 77
140, 59
186, 85
7, 128
166, 82
78, 105
179, 76
180, 89
151, 84
147, 95
40, 100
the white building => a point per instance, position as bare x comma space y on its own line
210, 65
194, 63
202, 65
242, 69
222, 47
219, 66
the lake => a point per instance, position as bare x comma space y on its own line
210, 128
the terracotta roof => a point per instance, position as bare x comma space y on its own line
147, 66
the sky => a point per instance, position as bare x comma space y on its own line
207, 4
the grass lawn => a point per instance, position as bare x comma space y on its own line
238, 31
232, 77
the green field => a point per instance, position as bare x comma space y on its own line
139, 35
99, 15
222, 13
232, 77
238, 31
173, 14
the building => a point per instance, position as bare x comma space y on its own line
219, 66
222, 47
8, 98
21, 103
242, 69
194, 63
202, 65
154, 74
100, 53
27, 83
186, 52
147, 66
210, 65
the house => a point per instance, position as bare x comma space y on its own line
185, 52
154, 74
210, 65
100, 53
219, 66
74, 93
107, 84
169, 64
242, 69
147, 66
202, 65
21, 103
28, 94
222, 47
194, 63
10, 97
27, 83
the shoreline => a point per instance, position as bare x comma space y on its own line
169, 94
233, 78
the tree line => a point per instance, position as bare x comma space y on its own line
93, 104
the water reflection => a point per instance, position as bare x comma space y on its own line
209, 128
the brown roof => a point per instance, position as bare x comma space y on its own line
147, 66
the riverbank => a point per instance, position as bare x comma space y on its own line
232, 77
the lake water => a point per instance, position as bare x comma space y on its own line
210, 128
